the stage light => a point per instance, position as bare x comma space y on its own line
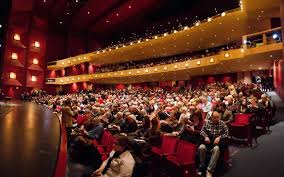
37, 44
34, 78
17, 37
35, 61
12, 75
14, 56
275, 36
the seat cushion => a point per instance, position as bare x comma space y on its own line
156, 150
173, 159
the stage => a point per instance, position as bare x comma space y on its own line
29, 139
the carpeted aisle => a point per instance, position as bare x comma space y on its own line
267, 159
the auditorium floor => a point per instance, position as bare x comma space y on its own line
29, 139
266, 159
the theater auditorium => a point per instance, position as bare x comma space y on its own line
141, 88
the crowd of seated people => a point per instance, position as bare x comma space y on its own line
165, 60
200, 116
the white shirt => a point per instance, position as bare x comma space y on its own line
120, 167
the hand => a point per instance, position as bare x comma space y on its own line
207, 140
97, 173
217, 140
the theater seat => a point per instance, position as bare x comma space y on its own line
241, 127
184, 158
169, 144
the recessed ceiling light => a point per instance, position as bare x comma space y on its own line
129, 6
44, 0
89, 12
117, 14
67, 13
0, 26
107, 21
60, 22
77, 0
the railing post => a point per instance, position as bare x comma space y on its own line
244, 39
264, 39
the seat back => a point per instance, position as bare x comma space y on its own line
242, 119
169, 144
105, 138
186, 152
110, 144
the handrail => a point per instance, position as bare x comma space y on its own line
262, 32
61, 164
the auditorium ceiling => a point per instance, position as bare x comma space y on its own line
113, 21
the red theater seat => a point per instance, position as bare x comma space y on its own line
169, 144
241, 127
184, 158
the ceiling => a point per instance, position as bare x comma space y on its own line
114, 21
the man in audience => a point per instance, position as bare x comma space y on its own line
215, 133
226, 115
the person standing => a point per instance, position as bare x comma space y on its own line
67, 119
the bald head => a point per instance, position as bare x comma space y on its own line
215, 117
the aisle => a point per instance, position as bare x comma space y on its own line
267, 159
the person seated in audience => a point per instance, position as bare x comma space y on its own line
206, 107
226, 115
153, 135
146, 123
190, 128
170, 124
214, 133
243, 108
120, 162
184, 113
129, 125
94, 131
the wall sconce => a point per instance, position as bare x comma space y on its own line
37, 44
12, 75
156, 69
34, 78
227, 55
138, 72
17, 37
176, 66
146, 70
14, 56
165, 68
35, 61
211, 60
186, 65
198, 62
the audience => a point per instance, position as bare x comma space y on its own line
198, 115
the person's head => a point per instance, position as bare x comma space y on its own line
146, 122
119, 115
67, 102
121, 143
155, 123
264, 97
215, 117
222, 107
197, 115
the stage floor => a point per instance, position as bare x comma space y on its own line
29, 140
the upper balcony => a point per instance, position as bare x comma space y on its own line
257, 53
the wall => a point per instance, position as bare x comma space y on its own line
278, 75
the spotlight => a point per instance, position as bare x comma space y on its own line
275, 36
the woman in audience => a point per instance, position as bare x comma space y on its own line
120, 162
153, 135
